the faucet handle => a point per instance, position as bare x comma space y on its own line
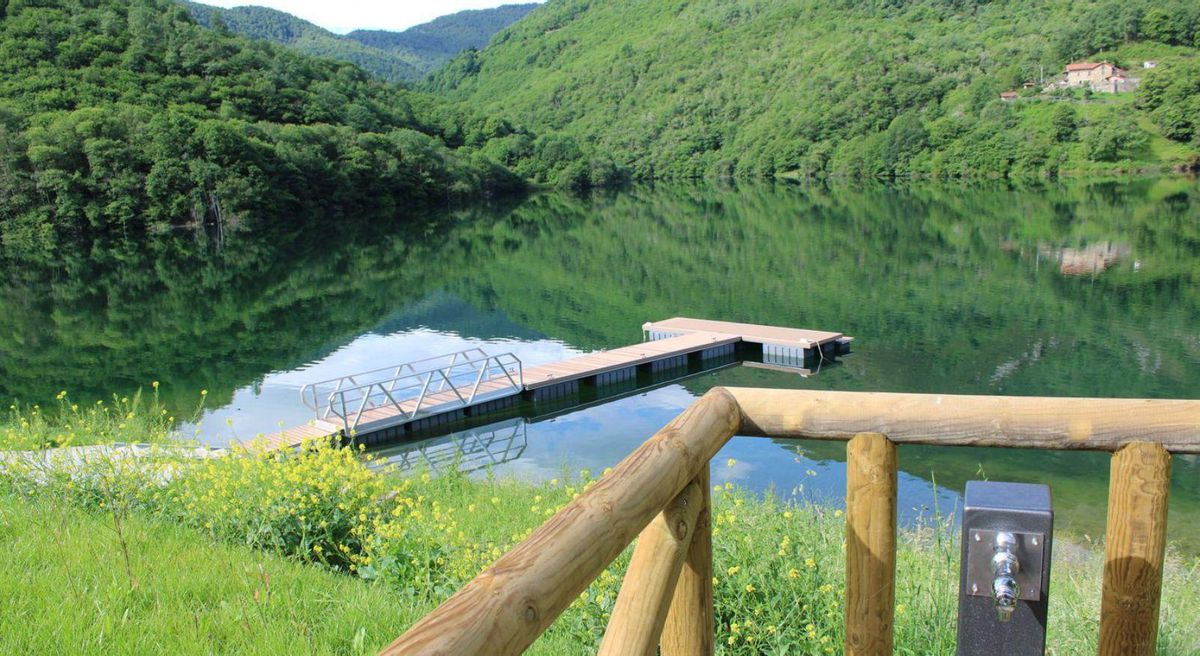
1005, 566
1006, 591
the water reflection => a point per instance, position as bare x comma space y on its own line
560, 445
947, 289
273, 402
472, 450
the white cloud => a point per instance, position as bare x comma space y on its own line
346, 15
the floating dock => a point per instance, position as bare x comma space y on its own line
780, 346
392, 402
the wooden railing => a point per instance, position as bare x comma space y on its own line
661, 492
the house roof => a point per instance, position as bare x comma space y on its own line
1008, 94
1084, 66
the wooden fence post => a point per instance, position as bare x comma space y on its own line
870, 544
641, 608
502, 611
1134, 549
689, 630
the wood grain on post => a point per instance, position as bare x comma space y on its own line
689, 630
1134, 547
947, 419
641, 608
504, 609
870, 544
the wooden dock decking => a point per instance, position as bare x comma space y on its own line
669, 344
602, 362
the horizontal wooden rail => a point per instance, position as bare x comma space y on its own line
956, 420
506, 608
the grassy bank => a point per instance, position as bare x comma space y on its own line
316, 553
65, 590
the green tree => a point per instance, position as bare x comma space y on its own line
1172, 94
1064, 121
906, 137
1170, 22
1110, 142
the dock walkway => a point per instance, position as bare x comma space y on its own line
619, 363
670, 343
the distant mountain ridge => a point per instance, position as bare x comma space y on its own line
393, 56
446, 36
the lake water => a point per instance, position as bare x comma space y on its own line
1071, 289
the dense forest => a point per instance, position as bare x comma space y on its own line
120, 116
392, 56
437, 41
883, 88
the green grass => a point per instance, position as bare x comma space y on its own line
1161, 149
193, 585
65, 591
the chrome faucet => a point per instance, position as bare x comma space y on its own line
1005, 567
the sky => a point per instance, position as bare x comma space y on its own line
342, 16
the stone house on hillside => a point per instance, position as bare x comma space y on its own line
1092, 74
1102, 77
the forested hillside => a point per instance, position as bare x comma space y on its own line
122, 116
446, 36
394, 56
804, 87
285, 29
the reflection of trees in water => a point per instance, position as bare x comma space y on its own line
925, 277
110, 318
920, 274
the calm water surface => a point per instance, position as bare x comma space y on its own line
1061, 290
